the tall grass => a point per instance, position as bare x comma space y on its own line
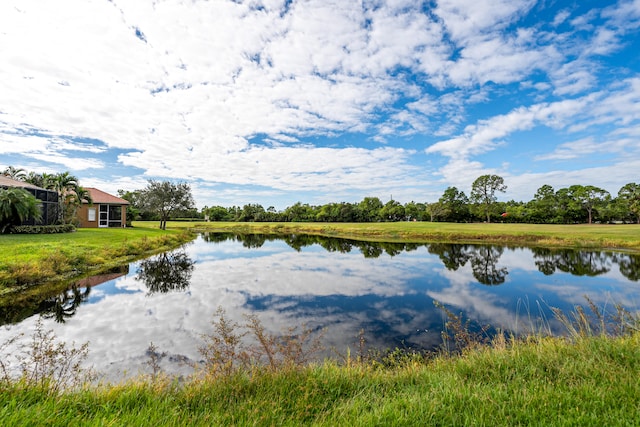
589, 378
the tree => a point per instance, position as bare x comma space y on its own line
566, 209
483, 192
133, 208
392, 211
456, 205
67, 187
165, 198
73, 200
216, 213
369, 209
299, 212
16, 206
588, 197
436, 210
41, 180
13, 173
629, 196
252, 213
415, 211
543, 205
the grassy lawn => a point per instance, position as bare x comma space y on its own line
625, 236
580, 380
32, 259
28, 259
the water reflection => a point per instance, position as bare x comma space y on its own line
166, 272
577, 263
483, 258
386, 289
629, 266
64, 305
300, 241
57, 305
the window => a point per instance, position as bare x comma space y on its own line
91, 216
104, 216
115, 216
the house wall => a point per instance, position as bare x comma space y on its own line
84, 220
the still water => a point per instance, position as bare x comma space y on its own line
341, 286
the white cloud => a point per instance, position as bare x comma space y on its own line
285, 168
617, 106
190, 90
464, 20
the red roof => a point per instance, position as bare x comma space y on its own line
99, 196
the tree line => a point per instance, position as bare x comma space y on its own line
170, 201
570, 205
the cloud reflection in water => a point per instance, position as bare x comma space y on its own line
326, 285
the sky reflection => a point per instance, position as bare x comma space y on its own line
328, 285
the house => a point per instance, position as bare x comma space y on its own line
105, 211
48, 200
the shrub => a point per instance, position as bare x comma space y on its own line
42, 229
44, 362
225, 351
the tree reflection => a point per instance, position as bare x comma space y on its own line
330, 244
217, 237
252, 240
64, 305
629, 266
299, 241
453, 256
483, 259
371, 249
577, 263
167, 272
483, 264
59, 303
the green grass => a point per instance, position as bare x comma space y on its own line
541, 381
625, 236
30, 259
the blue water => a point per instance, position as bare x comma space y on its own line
338, 286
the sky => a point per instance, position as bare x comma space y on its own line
317, 101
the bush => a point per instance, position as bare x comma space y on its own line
42, 229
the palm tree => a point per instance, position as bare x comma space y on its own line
73, 200
13, 173
16, 206
65, 185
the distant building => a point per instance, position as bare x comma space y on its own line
106, 210
48, 199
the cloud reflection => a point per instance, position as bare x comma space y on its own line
390, 297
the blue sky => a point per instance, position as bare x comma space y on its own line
318, 101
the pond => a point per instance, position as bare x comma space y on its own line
385, 290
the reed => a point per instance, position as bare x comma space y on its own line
586, 378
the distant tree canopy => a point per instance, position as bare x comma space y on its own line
571, 205
165, 200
